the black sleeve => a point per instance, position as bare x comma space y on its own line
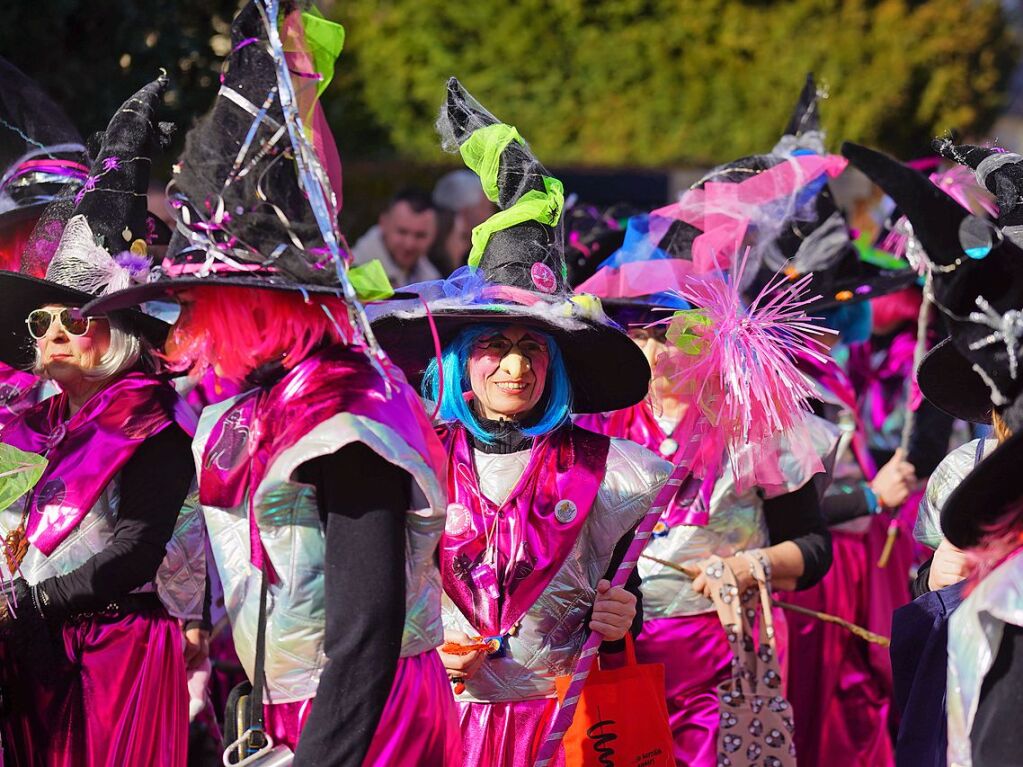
206, 622
996, 739
363, 500
844, 500
928, 442
797, 517
153, 486
632, 585
919, 587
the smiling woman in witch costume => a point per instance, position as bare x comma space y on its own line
541, 512
108, 551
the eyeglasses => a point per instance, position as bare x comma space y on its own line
71, 320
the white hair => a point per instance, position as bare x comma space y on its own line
125, 351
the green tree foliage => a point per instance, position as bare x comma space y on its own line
655, 82
90, 55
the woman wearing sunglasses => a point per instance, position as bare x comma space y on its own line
107, 552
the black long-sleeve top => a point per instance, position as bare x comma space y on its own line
153, 485
363, 500
797, 517
996, 739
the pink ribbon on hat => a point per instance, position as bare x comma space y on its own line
723, 210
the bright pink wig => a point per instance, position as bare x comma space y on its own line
239, 329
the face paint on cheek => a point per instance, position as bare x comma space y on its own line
482, 365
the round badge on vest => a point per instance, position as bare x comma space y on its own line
668, 447
565, 511
458, 520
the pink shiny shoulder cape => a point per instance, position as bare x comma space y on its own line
496, 560
258, 427
84, 452
17, 390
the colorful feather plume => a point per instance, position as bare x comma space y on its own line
736, 365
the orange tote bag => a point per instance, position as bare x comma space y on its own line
622, 717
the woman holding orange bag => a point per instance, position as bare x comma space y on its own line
542, 511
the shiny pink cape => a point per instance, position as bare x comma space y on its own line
883, 386
531, 536
84, 452
832, 377
263, 423
17, 393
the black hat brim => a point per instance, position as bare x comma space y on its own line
23, 294
630, 312
607, 369
949, 382
985, 495
168, 290
881, 283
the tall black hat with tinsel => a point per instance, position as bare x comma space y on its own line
804, 231
41, 151
255, 198
977, 279
516, 272
99, 234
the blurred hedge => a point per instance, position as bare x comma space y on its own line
654, 82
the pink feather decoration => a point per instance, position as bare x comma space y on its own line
736, 365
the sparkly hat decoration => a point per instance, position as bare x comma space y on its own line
41, 151
944, 376
593, 233
516, 272
96, 236
977, 282
256, 192
780, 205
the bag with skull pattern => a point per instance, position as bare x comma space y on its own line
756, 719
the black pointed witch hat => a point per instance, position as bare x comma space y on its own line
244, 218
99, 236
41, 151
516, 272
978, 285
808, 233
1000, 172
804, 128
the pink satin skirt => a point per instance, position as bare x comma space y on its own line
418, 725
505, 734
696, 659
117, 696
840, 686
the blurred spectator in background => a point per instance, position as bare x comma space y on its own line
401, 239
461, 206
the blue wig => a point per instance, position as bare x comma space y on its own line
556, 400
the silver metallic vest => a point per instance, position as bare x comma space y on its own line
551, 633
946, 477
736, 524
974, 635
181, 580
289, 521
